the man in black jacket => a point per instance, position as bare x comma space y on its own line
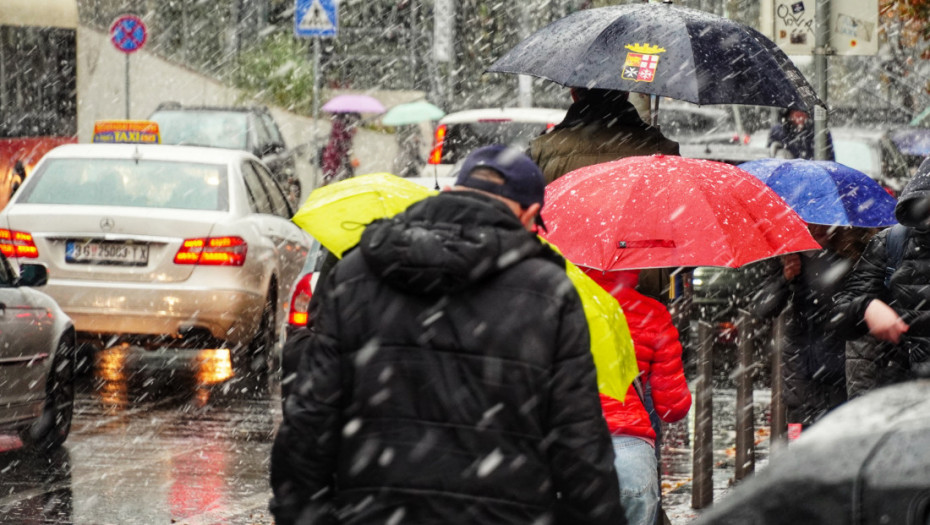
448, 378
888, 295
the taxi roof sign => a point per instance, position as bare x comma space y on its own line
126, 132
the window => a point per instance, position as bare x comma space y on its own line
279, 204
258, 197
262, 138
124, 182
462, 138
273, 130
218, 129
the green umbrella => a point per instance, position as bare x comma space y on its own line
411, 113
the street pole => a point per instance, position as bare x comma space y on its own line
316, 106
821, 50
412, 40
127, 85
524, 82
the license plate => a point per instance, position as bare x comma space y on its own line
118, 253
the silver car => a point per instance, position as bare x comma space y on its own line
162, 246
36, 357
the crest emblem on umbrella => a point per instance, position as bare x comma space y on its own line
641, 63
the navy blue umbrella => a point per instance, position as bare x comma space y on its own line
662, 50
827, 192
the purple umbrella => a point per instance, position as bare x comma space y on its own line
353, 104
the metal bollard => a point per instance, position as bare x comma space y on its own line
779, 415
745, 424
702, 493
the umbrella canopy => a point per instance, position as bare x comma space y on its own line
827, 192
868, 458
353, 104
336, 214
412, 113
662, 50
665, 211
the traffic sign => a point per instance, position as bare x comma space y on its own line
316, 18
128, 33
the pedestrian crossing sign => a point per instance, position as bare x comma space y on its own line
316, 18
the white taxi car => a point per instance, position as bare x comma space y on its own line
162, 246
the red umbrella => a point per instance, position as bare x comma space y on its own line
665, 211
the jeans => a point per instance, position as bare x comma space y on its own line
639, 481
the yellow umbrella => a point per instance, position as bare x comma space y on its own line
337, 214
611, 343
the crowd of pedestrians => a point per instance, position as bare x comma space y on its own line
446, 375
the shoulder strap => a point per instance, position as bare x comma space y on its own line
894, 250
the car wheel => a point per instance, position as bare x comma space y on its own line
255, 360
51, 430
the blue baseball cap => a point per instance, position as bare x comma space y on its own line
523, 180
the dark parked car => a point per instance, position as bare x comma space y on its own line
37, 353
251, 128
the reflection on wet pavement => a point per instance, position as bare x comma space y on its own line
157, 437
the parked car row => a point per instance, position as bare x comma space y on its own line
251, 128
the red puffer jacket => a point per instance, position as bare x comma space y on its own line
658, 353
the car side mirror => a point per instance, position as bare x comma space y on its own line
32, 275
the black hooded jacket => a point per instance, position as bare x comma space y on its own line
908, 290
448, 380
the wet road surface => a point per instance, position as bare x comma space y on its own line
170, 438
156, 439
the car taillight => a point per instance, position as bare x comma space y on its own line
17, 244
212, 251
435, 156
300, 301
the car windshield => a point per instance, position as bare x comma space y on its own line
126, 182
217, 129
685, 125
462, 138
855, 154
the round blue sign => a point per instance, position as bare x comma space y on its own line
128, 33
